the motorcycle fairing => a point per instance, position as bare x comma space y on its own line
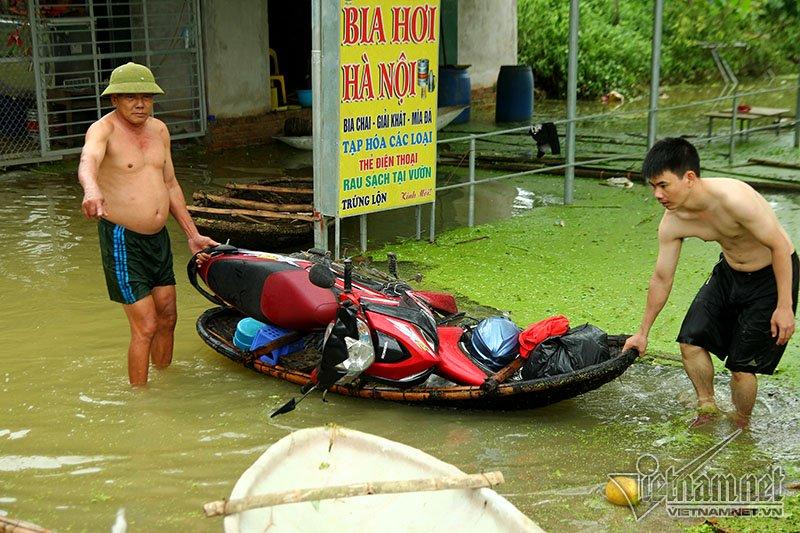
453, 362
413, 340
440, 301
408, 314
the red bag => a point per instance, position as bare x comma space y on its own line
530, 338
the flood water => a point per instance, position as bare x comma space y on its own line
77, 443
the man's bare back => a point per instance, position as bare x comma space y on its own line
731, 204
131, 175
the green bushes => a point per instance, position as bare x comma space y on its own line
616, 36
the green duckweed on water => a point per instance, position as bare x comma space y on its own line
590, 261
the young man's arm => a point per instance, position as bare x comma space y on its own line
177, 202
669, 250
758, 219
92, 154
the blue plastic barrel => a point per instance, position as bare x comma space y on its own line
455, 88
514, 94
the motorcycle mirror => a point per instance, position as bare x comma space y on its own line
348, 275
392, 264
321, 276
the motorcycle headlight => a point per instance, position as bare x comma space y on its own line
360, 353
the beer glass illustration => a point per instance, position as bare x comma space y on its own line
423, 75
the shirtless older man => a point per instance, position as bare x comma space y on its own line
129, 185
744, 312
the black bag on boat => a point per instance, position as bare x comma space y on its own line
578, 348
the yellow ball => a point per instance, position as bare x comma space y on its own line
621, 490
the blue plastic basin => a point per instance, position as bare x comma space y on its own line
246, 330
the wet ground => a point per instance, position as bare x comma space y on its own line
76, 443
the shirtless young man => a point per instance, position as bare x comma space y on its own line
129, 186
744, 312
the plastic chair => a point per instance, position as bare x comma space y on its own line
275, 74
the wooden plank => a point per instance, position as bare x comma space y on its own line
251, 204
251, 213
268, 188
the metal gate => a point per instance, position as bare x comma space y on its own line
18, 138
60, 68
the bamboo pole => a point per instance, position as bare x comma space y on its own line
250, 213
770, 163
491, 383
581, 137
471, 481
252, 204
580, 171
11, 525
546, 160
520, 164
760, 183
267, 188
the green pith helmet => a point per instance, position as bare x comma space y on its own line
132, 78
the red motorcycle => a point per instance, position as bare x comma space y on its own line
375, 329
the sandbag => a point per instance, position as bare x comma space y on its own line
578, 348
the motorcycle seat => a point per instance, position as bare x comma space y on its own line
291, 301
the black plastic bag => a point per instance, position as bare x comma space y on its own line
578, 348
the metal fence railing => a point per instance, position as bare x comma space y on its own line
19, 132
733, 133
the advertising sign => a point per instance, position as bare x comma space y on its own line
388, 59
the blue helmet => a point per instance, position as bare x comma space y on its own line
494, 342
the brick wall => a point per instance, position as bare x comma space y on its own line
247, 131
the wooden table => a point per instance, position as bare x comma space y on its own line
774, 113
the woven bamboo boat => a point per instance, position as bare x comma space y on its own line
216, 326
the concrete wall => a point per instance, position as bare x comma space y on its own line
487, 38
236, 44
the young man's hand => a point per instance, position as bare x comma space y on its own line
637, 341
782, 324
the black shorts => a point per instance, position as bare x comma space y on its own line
730, 317
134, 263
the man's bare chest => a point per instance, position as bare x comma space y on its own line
135, 154
716, 229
